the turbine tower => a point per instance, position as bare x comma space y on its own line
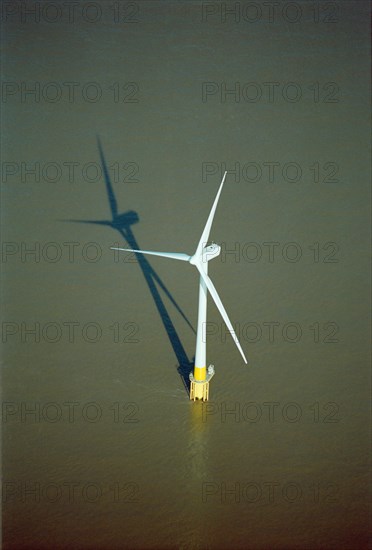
201, 377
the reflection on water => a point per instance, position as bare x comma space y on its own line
198, 444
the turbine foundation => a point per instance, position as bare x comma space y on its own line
199, 389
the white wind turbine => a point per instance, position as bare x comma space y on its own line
203, 254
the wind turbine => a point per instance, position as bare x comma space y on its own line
200, 379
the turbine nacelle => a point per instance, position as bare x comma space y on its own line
207, 254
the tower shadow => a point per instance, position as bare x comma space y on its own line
122, 223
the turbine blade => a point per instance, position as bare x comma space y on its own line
172, 255
221, 309
207, 228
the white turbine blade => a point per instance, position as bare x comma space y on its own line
221, 309
207, 228
172, 255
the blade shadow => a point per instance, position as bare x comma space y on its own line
123, 224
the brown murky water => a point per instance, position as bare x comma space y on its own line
101, 447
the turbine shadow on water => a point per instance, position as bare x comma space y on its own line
123, 224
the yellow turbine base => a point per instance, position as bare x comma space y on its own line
200, 373
199, 382
199, 390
